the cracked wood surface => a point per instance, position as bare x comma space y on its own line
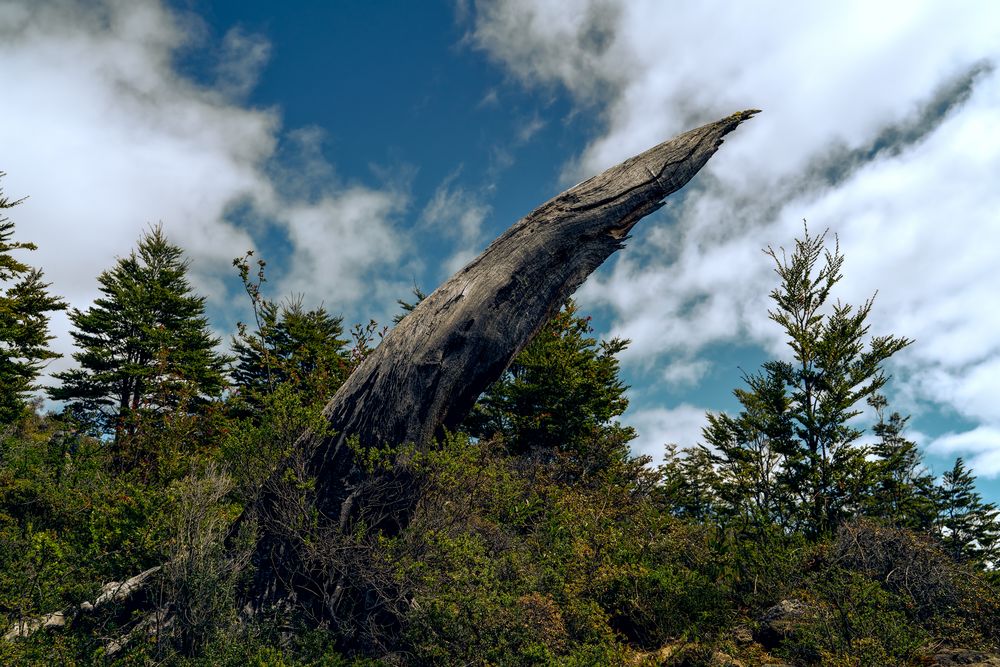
429, 370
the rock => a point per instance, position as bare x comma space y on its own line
658, 656
27, 628
720, 659
952, 657
779, 621
670, 653
742, 635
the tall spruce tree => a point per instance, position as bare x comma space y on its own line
968, 528
144, 347
24, 323
794, 437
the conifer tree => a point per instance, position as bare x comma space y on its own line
968, 527
24, 334
745, 455
144, 346
799, 411
289, 346
903, 491
691, 485
292, 345
560, 396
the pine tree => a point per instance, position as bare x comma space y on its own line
968, 527
291, 345
690, 484
24, 333
560, 397
903, 491
800, 411
144, 346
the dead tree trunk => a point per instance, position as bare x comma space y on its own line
429, 370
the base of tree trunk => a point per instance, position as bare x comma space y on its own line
318, 511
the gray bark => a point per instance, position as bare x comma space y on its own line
429, 370
112, 593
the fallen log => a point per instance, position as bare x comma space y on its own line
429, 370
112, 593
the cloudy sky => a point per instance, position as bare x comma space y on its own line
362, 148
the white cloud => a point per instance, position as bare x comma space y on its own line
337, 240
683, 372
243, 56
656, 427
552, 42
982, 443
490, 100
457, 214
106, 136
529, 129
879, 123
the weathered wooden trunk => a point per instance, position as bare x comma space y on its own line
427, 373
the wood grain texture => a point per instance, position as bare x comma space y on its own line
429, 370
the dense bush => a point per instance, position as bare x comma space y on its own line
537, 538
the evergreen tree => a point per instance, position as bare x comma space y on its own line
799, 412
690, 485
299, 350
560, 397
24, 333
418, 296
144, 347
968, 527
291, 345
903, 491
746, 452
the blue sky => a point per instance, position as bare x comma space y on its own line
364, 147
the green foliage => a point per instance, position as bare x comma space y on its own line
66, 525
945, 597
902, 490
782, 475
24, 307
290, 345
968, 527
877, 594
251, 447
507, 564
559, 398
201, 570
790, 456
294, 346
536, 537
406, 306
262, 646
690, 485
854, 621
746, 456
144, 347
